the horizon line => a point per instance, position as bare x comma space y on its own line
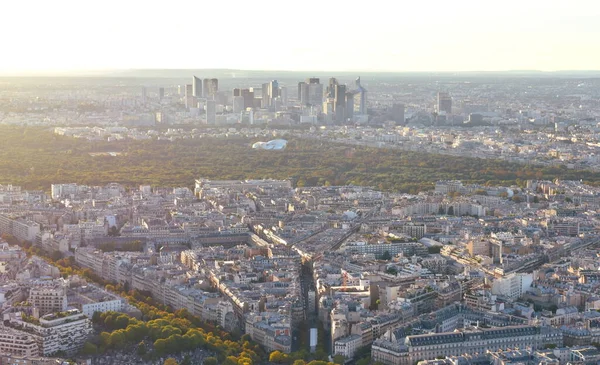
112, 71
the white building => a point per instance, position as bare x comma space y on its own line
17, 343
60, 331
513, 285
63, 190
48, 299
347, 346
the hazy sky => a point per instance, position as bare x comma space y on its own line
336, 35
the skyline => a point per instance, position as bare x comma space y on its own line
456, 36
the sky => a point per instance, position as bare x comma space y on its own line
306, 35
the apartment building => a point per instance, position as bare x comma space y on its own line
347, 346
22, 229
48, 299
17, 343
61, 331
469, 341
273, 333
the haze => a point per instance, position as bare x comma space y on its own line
44, 36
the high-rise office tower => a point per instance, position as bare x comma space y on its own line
248, 96
315, 92
211, 112
264, 101
273, 89
360, 99
189, 97
339, 104
210, 87
303, 93
197, 87
331, 88
161, 93
283, 93
238, 104
272, 93
349, 104
237, 92
444, 103
144, 92
339, 95
398, 113
327, 110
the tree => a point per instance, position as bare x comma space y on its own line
278, 357
170, 361
364, 361
434, 249
117, 339
230, 360
113, 231
121, 321
339, 359
89, 349
320, 354
211, 361
141, 349
56, 255
96, 318
386, 256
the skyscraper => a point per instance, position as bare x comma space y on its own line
248, 98
303, 93
143, 94
189, 97
444, 103
238, 104
196, 87
339, 95
360, 99
272, 92
284, 95
349, 104
273, 89
339, 104
161, 93
264, 101
331, 88
210, 87
237, 92
315, 92
211, 112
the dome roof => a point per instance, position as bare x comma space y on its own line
276, 144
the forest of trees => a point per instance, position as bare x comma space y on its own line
34, 158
